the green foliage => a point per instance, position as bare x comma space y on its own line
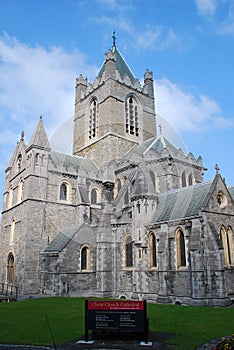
226, 343
25, 322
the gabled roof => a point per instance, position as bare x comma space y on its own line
121, 66
39, 137
20, 148
156, 143
182, 203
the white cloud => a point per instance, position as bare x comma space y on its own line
117, 22
206, 7
219, 15
188, 111
116, 5
35, 80
227, 26
158, 38
148, 38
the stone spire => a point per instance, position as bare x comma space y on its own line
39, 138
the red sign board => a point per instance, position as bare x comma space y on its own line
116, 305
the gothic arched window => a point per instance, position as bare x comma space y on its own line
131, 116
190, 180
230, 244
227, 242
93, 118
180, 248
184, 181
152, 250
152, 176
10, 269
85, 258
63, 191
19, 162
128, 251
94, 196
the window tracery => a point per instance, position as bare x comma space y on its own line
19, 161
128, 251
131, 116
10, 269
93, 118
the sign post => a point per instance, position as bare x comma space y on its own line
119, 315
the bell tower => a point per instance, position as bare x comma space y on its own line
113, 113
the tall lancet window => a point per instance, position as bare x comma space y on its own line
180, 248
93, 119
152, 250
128, 247
131, 113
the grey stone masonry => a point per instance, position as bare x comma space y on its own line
127, 215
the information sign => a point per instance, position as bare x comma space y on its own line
119, 315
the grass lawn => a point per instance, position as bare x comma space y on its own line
25, 322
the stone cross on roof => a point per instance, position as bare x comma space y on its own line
114, 38
217, 168
160, 129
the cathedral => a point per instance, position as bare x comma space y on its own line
127, 215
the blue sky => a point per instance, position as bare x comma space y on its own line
188, 44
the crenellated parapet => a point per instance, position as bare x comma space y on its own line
114, 67
81, 80
110, 55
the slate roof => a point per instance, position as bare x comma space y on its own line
79, 233
182, 203
62, 239
67, 160
121, 66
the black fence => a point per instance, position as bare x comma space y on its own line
8, 292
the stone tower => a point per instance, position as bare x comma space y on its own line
23, 215
114, 113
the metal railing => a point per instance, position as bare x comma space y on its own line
8, 292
